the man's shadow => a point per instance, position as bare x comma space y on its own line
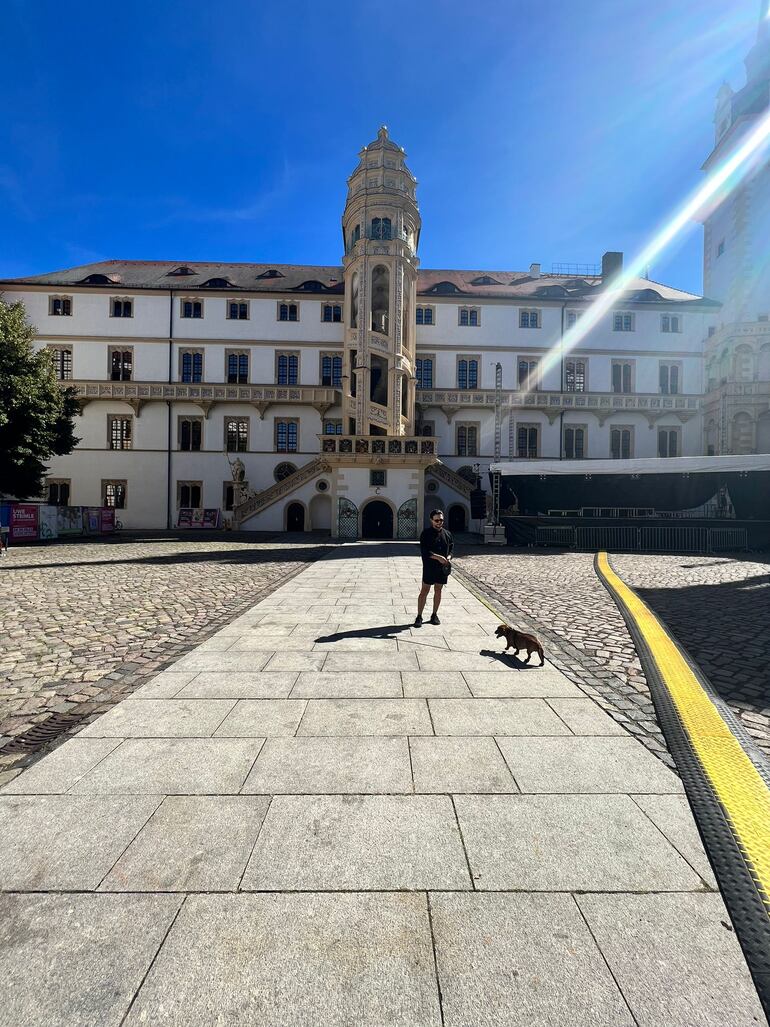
386, 631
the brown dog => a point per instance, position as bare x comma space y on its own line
520, 640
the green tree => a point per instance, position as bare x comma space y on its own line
35, 411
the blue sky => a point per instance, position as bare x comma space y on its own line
547, 131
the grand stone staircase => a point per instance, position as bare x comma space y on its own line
262, 500
451, 478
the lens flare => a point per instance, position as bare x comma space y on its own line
720, 182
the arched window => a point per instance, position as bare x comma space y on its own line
381, 228
380, 299
354, 301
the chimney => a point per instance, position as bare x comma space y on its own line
612, 264
534, 270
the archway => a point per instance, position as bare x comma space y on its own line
295, 517
377, 520
321, 513
458, 520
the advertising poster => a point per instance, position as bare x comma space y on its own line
48, 522
23, 521
108, 519
69, 520
211, 518
190, 517
185, 518
92, 516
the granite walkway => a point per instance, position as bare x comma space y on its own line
325, 817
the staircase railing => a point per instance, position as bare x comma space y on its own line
451, 478
259, 502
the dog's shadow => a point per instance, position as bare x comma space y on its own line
510, 661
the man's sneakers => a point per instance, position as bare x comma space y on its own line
434, 619
418, 621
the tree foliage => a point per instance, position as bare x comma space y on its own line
35, 411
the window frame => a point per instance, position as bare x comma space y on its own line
528, 426
569, 426
289, 304
474, 426
670, 429
631, 441
188, 483
112, 351
332, 307
237, 302
125, 436
288, 354
573, 315
421, 309
239, 354
623, 314
193, 419
671, 324
289, 422
118, 483
193, 352
374, 472
468, 357
58, 483
473, 314
331, 355
420, 359
63, 299
576, 360
526, 358
669, 366
228, 486
122, 300
192, 316
335, 421
240, 421
527, 313
59, 349
622, 362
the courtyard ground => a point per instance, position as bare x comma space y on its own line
84, 624
324, 815
717, 607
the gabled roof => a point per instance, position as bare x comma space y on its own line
282, 278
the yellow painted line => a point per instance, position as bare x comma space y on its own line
743, 794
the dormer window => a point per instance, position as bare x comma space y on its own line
271, 273
311, 286
381, 228
99, 280
217, 283
181, 271
444, 288
485, 280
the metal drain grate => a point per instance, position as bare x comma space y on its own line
41, 734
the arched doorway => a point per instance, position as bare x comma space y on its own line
295, 517
457, 518
377, 520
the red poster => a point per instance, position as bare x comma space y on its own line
108, 518
23, 521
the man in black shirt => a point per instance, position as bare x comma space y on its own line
436, 547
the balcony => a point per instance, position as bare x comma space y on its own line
420, 451
204, 394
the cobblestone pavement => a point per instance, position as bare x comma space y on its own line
719, 608
85, 623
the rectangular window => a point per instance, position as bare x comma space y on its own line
669, 379
121, 308
621, 443
237, 368
426, 428
287, 368
425, 316
188, 494
237, 434
114, 494
228, 495
62, 362
377, 479
574, 442
60, 306
121, 364
575, 376
286, 433
191, 308
331, 312
238, 310
331, 370
527, 374
469, 317
190, 433
668, 442
527, 439
529, 319
120, 432
288, 312
58, 492
622, 376
333, 427
573, 316
191, 362
622, 322
670, 323
468, 373
467, 440
424, 372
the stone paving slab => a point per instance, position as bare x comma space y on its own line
520, 960
456, 765
423, 684
262, 718
546, 683
348, 685
173, 766
63, 768
672, 816
77, 960
670, 954
358, 766
584, 717
239, 685
495, 717
65, 842
358, 842
161, 718
366, 717
295, 960
568, 843
191, 843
